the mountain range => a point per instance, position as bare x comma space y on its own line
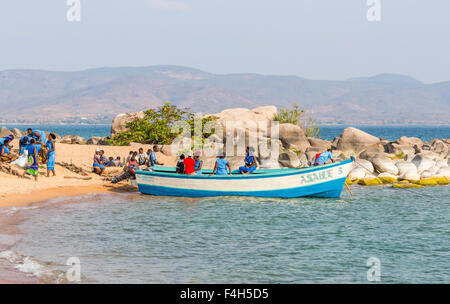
97, 95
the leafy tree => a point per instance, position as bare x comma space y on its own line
156, 126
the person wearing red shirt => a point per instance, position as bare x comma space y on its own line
189, 165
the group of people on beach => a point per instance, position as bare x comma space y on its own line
134, 159
36, 147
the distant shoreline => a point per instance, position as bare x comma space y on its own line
320, 125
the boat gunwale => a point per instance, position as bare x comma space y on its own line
293, 171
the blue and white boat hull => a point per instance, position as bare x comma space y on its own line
320, 181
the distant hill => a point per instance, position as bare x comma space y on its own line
97, 95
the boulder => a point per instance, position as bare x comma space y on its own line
444, 172
357, 173
384, 164
354, 140
17, 133
321, 144
289, 159
246, 118
118, 123
365, 164
404, 166
293, 137
375, 151
94, 140
66, 139
4, 132
438, 146
409, 141
423, 162
78, 140
410, 176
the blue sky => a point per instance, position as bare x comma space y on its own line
319, 39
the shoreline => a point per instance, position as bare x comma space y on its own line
38, 196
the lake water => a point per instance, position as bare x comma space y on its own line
426, 133
132, 238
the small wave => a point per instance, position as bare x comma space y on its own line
31, 267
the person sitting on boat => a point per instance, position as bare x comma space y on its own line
221, 166
51, 156
324, 156
23, 144
33, 160
180, 165
250, 162
198, 163
152, 158
189, 165
98, 165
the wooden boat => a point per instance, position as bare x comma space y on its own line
320, 181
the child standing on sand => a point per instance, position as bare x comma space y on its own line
33, 160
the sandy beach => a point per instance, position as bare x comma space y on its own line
15, 191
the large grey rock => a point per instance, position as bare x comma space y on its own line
438, 146
423, 162
118, 124
354, 140
406, 167
78, 140
384, 165
375, 151
94, 140
444, 172
293, 137
289, 159
4, 132
17, 133
409, 141
319, 143
365, 164
357, 173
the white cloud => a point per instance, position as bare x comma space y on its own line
169, 5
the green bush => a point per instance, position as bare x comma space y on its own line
156, 126
296, 116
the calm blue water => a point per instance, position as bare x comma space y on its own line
86, 131
426, 133
131, 238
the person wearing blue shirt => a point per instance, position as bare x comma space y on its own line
23, 144
9, 137
198, 163
38, 135
250, 163
33, 167
322, 159
152, 161
221, 166
5, 153
51, 155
